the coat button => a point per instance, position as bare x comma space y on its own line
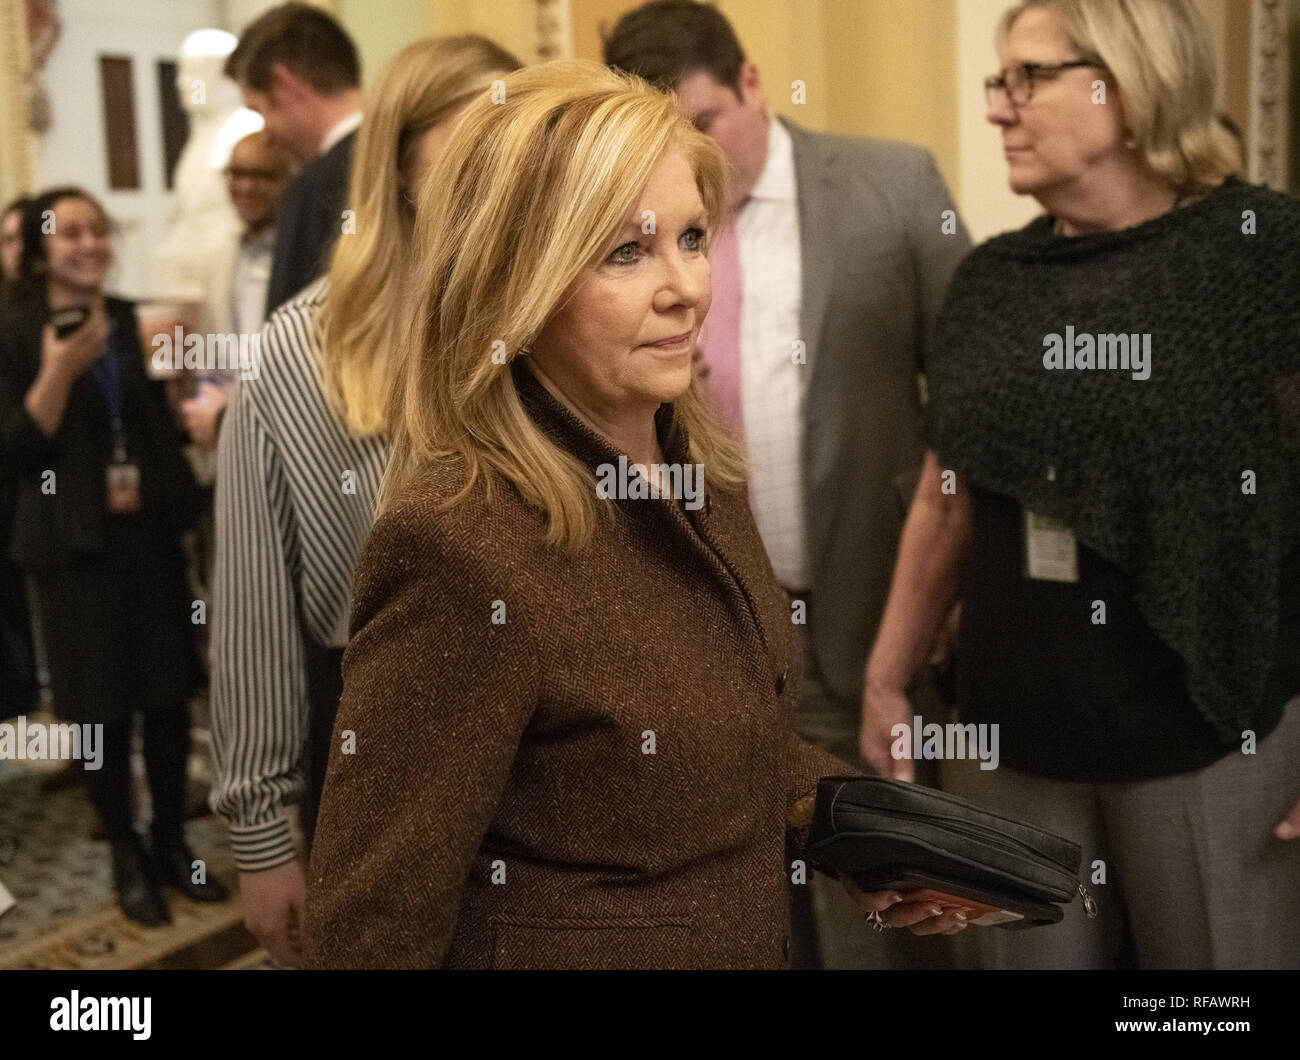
780, 682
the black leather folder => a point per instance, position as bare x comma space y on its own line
890, 835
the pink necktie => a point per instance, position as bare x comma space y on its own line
720, 342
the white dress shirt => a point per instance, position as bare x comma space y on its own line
339, 130
773, 386
252, 273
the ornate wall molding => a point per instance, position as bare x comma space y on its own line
1269, 93
15, 61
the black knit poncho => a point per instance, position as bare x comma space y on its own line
1187, 480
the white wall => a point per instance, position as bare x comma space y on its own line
74, 150
149, 30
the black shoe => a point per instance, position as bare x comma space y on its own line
137, 893
173, 863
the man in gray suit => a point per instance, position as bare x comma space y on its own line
834, 268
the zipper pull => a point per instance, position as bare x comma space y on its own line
1089, 903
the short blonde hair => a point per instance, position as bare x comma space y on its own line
535, 182
1162, 58
424, 84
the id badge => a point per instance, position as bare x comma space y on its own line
123, 487
1051, 552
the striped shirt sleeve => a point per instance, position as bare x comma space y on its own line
258, 683
294, 503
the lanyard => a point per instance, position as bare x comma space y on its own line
108, 375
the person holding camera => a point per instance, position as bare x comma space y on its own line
102, 497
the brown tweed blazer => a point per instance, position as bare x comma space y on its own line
563, 761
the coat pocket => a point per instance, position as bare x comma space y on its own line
573, 943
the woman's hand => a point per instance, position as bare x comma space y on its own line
921, 918
62, 362
884, 706
922, 602
273, 910
69, 357
199, 414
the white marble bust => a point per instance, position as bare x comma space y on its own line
201, 219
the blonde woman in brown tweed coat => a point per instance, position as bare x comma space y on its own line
563, 739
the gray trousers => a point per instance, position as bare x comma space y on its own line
1194, 876
843, 939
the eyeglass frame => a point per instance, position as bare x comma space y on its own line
1031, 71
262, 176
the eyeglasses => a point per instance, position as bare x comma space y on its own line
265, 176
1018, 81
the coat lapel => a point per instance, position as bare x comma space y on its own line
818, 199
735, 571
816, 190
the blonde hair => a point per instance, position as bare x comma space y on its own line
1162, 58
422, 86
533, 185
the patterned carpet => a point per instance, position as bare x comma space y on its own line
60, 876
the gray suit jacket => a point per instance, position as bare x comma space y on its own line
876, 265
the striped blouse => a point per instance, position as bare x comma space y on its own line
294, 503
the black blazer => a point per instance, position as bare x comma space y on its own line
49, 530
309, 221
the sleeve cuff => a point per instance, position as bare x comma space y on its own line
262, 846
26, 446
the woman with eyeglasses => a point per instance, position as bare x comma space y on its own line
1111, 495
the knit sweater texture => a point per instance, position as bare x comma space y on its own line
1188, 479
